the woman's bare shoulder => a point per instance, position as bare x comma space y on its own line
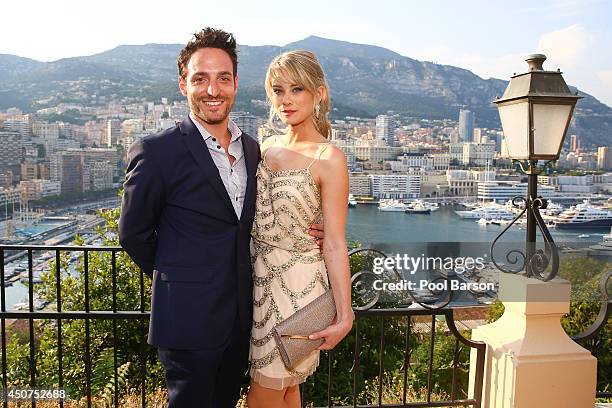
266, 144
333, 157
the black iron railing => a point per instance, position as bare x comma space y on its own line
408, 316
588, 338
59, 315
88, 315
456, 396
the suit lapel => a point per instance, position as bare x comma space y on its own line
250, 156
196, 145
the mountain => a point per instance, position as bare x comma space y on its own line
12, 65
324, 46
365, 80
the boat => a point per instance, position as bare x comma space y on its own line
469, 204
391, 205
584, 215
492, 221
351, 201
26, 279
583, 236
418, 208
608, 237
21, 306
603, 249
431, 206
489, 211
551, 210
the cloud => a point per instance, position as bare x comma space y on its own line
567, 45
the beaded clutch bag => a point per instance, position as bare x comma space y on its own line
291, 335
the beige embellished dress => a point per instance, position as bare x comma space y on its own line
288, 267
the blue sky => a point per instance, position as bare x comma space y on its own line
489, 38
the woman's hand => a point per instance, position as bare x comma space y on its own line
334, 333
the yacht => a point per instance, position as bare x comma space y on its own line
584, 215
391, 205
488, 212
418, 208
431, 206
351, 201
492, 221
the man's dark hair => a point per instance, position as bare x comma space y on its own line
208, 38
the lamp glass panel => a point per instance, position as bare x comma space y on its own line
515, 123
549, 127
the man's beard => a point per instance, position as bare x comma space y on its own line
198, 108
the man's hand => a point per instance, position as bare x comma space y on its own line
316, 230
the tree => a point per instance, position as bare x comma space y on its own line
130, 334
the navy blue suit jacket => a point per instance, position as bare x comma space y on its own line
178, 224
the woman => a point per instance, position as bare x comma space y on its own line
301, 178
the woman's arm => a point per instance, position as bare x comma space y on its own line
334, 185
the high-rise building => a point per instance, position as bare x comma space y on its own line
385, 129
37, 188
84, 169
478, 135
6, 179
43, 170
58, 145
21, 124
573, 143
72, 176
29, 171
46, 131
398, 186
466, 125
100, 175
382, 127
472, 153
604, 158
11, 149
454, 137
113, 131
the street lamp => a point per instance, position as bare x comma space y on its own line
535, 112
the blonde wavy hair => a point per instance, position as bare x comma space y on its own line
301, 68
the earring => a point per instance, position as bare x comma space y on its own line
317, 109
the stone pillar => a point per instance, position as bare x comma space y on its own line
530, 361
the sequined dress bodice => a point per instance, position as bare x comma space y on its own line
288, 202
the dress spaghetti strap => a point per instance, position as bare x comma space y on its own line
318, 156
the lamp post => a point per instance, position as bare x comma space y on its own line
535, 112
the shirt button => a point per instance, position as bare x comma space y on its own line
214, 140
218, 147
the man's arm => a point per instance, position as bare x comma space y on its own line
140, 207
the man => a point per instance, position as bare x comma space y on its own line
186, 217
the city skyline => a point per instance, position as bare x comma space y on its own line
573, 34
